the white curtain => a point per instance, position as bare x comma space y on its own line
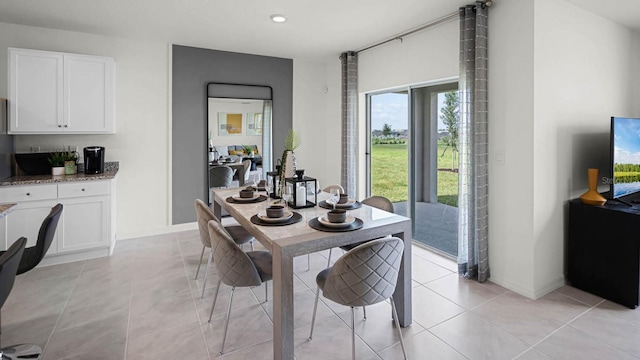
267, 109
473, 220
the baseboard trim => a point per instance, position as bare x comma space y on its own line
533, 294
158, 231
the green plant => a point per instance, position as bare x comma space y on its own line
58, 158
247, 149
292, 141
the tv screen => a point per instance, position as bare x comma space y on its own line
625, 156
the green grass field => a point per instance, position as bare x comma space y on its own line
389, 174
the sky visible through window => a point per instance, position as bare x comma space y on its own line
392, 109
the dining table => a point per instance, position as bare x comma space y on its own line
288, 241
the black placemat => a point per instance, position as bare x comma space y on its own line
294, 219
326, 205
355, 225
260, 198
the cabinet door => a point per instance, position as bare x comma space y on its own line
85, 223
35, 91
26, 220
88, 94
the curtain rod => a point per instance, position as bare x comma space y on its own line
453, 15
441, 20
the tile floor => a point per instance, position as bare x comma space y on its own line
142, 303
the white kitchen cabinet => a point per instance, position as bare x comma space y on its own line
85, 229
25, 221
85, 217
51, 92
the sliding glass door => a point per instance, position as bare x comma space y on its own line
412, 159
389, 137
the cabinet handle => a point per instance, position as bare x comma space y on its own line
66, 125
28, 194
59, 125
82, 189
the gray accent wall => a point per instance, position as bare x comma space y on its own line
193, 69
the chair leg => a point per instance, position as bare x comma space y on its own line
21, 351
395, 318
364, 311
215, 298
252, 249
315, 308
329, 258
353, 334
308, 262
266, 292
199, 263
206, 273
226, 323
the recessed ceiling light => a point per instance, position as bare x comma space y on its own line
278, 18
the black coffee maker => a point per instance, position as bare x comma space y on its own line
94, 160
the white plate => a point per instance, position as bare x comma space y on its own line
349, 203
287, 215
324, 221
237, 197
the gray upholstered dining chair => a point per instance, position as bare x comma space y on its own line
328, 188
247, 170
375, 201
239, 235
220, 176
365, 275
236, 268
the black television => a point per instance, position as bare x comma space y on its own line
625, 157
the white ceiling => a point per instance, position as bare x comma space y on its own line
623, 12
315, 29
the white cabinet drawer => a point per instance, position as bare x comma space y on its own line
79, 189
18, 194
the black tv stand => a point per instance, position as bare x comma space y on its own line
603, 251
624, 202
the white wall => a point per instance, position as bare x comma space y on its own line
556, 75
582, 68
141, 142
316, 115
510, 133
427, 57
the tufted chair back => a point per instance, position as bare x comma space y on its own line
235, 268
366, 274
204, 215
379, 202
220, 176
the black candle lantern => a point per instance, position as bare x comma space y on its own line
303, 190
273, 179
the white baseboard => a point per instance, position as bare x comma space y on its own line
530, 293
158, 231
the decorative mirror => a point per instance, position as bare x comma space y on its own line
238, 128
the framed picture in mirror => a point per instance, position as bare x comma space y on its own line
229, 124
254, 124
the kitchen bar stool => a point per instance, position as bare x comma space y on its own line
9, 262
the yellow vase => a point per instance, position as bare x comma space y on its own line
592, 197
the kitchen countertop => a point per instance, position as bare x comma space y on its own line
5, 209
110, 171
